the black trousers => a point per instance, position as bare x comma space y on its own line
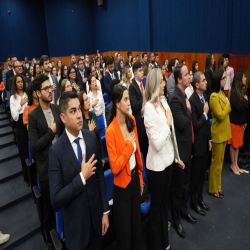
158, 214
198, 173
22, 144
143, 143
48, 212
180, 191
127, 215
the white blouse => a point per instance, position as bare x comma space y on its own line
99, 108
15, 107
132, 160
189, 91
162, 150
98, 84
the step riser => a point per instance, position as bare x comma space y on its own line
15, 201
10, 177
21, 240
7, 144
9, 158
4, 125
3, 118
6, 133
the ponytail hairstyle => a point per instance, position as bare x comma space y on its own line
117, 95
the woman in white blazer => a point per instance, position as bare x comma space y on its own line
162, 153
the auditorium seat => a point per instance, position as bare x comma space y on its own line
109, 179
105, 148
145, 206
105, 98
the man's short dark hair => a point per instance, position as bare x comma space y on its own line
143, 54
43, 59
226, 55
37, 83
171, 63
7, 57
79, 59
129, 53
178, 72
137, 56
197, 78
81, 55
110, 61
12, 56
71, 55
64, 100
136, 66
113, 83
156, 55
182, 61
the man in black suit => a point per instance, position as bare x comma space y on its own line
99, 74
136, 91
202, 143
43, 132
77, 181
152, 60
182, 115
10, 73
18, 70
81, 74
26, 60
144, 59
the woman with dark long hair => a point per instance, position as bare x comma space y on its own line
65, 87
31, 73
90, 120
120, 66
238, 119
37, 70
18, 101
126, 165
58, 68
220, 130
209, 69
195, 67
73, 79
64, 73
222, 66
32, 104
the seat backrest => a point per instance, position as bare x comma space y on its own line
105, 97
59, 223
109, 179
30, 154
144, 172
210, 120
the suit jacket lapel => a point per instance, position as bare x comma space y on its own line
136, 86
198, 100
42, 118
222, 98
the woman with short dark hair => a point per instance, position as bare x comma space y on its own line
209, 73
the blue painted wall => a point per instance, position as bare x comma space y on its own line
48, 27
69, 32
23, 32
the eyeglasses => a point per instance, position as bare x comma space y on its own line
72, 72
18, 66
93, 71
47, 88
65, 69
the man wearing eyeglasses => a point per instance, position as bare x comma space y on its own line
44, 129
81, 74
18, 70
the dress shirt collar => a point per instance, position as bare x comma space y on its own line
71, 137
139, 84
183, 93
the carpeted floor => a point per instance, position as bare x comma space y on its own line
225, 227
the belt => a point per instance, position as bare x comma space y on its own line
133, 171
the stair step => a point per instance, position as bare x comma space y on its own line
13, 191
3, 117
8, 153
4, 123
5, 131
21, 222
6, 140
10, 169
34, 242
2, 112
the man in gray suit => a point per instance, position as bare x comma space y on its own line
171, 81
45, 65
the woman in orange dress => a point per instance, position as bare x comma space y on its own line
238, 119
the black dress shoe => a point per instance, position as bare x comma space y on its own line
179, 230
198, 210
204, 206
189, 218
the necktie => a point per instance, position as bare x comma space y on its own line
79, 150
202, 101
141, 89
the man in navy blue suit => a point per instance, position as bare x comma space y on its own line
109, 76
77, 181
